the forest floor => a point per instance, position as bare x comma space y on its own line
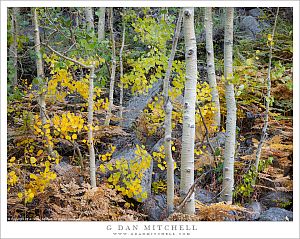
68, 196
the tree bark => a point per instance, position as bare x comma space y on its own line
188, 134
121, 75
101, 24
228, 167
113, 69
41, 78
211, 65
90, 128
267, 101
89, 19
168, 120
14, 46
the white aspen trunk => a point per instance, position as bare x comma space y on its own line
90, 128
188, 134
121, 76
169, 158
41, 76
14, 46
113, 69
101, 24
89, 17
267, 101
228, 167
211, 65
168, 121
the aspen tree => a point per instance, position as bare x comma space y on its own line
188, 134
41, 79
211, 65
101, 24
228, 167
90, 113
14, 46
89, 17
121, 74
168, 121
268, 97
113, 68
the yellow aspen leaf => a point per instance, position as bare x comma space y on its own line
269, 37
12, 159
20, 195
47, 164
173, 148
30, 197
102, 168
32, 160
103, 157
109, 166
39, 152
74, 136
33, 176
68, 137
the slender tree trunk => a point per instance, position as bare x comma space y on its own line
211, 65
101, 24
267, 101
41, 79
168, 120
121, 75
188, 134
89, 16
90, 113
14, 46
90, 127
228, 167
113, 69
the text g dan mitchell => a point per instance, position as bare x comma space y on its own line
157, 227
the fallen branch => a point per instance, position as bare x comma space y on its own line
206, 131
190, 192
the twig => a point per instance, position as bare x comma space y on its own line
68, 58
76, 146
267, 101
190, 192
206, 131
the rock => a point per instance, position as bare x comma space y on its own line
233, 215
218, 140
256, 12
277, 199
128, 153
137, 103
156, 147
255, 209
251, 26
276, 214
155, 207
205, 196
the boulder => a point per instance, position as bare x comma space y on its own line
277, 199
128, 153
155, 207
276, 214
255, 209
138, 103
205, 196
256, 12
218, 140
250, 26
